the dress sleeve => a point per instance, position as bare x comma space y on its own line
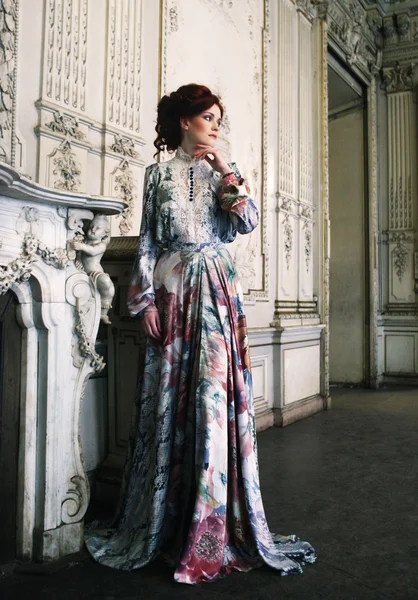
141, 293
234, 197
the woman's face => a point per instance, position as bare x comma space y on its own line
202, 128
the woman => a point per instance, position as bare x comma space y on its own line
191, 491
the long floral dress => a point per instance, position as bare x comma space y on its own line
191, 486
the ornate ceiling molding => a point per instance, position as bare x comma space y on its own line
354, 34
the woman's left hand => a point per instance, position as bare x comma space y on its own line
214, 157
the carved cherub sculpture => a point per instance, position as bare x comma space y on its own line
92, 250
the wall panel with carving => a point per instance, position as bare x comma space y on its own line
85, 104
296, 161
228, 53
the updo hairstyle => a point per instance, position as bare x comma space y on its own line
188, 101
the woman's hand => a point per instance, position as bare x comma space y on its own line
214, 157
152, 324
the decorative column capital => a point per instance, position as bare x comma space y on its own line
322, 7
399, 78
307, 7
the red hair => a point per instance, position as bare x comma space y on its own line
188, 101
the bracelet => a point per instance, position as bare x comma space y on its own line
226, 174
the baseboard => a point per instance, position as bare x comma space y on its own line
300, 410
264, 419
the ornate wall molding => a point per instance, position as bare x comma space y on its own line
85, 348
125, 186
400, 256
325, 304
68, 125
19, 269
307, 7
287, 240
307, 229
66, 167
401, 140
400, 198
124, 64
125, 146
66, 53
354, 34
9, 32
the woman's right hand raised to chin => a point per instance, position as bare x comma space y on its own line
152, 324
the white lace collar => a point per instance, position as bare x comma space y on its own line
183, 156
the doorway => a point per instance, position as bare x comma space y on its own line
348, 223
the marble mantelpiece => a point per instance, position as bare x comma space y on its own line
59, 313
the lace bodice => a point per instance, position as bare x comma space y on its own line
186, 202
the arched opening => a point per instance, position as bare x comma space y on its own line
10, 392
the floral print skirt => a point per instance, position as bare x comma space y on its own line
191, 490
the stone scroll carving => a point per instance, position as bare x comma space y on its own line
76, 502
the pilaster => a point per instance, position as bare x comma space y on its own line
402, 186
9, 35
294, 304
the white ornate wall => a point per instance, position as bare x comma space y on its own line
84, 82
266, 66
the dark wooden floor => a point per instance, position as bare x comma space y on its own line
345, 480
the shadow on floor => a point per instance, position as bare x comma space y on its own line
345, 480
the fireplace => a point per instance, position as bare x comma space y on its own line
10, 374
50, 311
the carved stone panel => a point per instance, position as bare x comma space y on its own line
401, 273
402, 182
305, 267
295, 162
